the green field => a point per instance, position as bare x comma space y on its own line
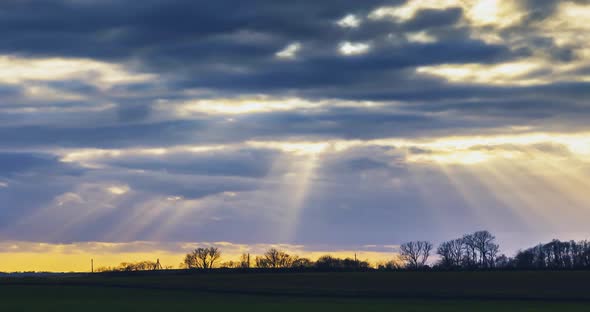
371, 291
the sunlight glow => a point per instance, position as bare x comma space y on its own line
252, 105
408, 10
569, 27
495, 165
90, 158
298, 148
464, 158
453, 149
294, 192
542, 192
17, 70
118, 189
354, 48
477, 149
478, 12
420, 37
47, 93
289, 52
75, 257
244, 106
495, 12
497, 74
174, 198
68, 198
349, 21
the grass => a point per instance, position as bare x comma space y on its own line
371, 291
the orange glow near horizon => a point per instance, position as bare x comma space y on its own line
71, 258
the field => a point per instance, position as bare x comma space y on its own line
369, 291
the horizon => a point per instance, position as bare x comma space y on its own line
138, 130
87, 257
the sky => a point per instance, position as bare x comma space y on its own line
131, 130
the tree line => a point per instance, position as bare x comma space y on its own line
554, 255
207, 258
475, 251
134, 266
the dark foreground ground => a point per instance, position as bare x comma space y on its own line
369, 291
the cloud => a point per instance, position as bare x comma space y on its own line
354, 48
248, 163
289, 52
30, 164
349, 21
429, 18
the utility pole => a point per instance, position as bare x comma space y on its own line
91, 265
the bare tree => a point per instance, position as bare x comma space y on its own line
470, 258
202, 258
485, 244
451, 253
477, 250
213, 254
274, 258
416, 254
189, 262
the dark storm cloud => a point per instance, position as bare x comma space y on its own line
430, 18
230, 46
7, 91
16, 164
385, 63
245, 163
134, 112
128, 28
442, 111
203, 42
344, 123
173, 132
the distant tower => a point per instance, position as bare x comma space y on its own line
157, 266
91, 265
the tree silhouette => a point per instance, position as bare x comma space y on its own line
415, 254
477, 250
451, 253
202, 258
274, 259
554, 255
483, 247
302, 263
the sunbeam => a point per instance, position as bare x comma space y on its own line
296, 186
289, 182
